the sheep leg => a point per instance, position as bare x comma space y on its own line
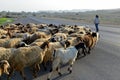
89, 49
55, 64
71, 63
78, 54
34, 71
84, 51
44, 66
50, 74
23, 75
58, 70
70, 69
10, 74
36, 68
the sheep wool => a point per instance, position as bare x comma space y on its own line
5, 53
11, 43
27, 56
66, 54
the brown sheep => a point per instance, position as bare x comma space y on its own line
2, 42
90, 40
27, 56
36, 43
11, 43
74, 40
35, 36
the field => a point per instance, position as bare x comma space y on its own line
107, 17
5, 20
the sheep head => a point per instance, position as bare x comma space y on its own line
45, 45
67, 43
94, 34
4, 66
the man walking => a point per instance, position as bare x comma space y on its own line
96, 22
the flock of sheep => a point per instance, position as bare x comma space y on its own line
30, 45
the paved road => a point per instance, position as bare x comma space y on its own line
102, 64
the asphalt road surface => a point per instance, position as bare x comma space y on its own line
102, 64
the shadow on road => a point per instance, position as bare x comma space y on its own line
60, 77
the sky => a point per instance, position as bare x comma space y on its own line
38, 5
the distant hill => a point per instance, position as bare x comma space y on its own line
82, 10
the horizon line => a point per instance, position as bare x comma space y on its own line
72, 10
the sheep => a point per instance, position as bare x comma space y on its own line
41, 26
96, 36
30, 56
41, 40
90, 40
31, 25
4, 66
33, 37
74, 40
26, 36
38, 35
2, 42
18, 24
66, 30
3, 32
32, 30
77, 34
53, 45
36, 44
11, 43
18, 35
64, 56
53, 31
27, 56
87, 29
59, 37
22, 44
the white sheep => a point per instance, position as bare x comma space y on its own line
64, 56
52, 46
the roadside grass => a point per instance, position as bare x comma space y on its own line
5, 20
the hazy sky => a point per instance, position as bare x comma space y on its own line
37, 5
